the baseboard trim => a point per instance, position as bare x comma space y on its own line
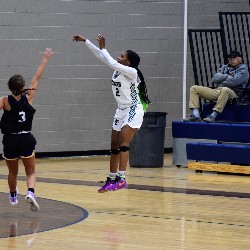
82, 153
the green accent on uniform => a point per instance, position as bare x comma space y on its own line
144, 104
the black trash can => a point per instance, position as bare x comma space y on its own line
147, 146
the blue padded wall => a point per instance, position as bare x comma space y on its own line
218, 152
231, 132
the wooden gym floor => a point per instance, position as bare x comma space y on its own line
162, 208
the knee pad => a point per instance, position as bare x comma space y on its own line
124, 148
115, 151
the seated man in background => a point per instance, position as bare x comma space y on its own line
229, 82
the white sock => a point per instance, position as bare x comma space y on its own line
214, 114
112, 175
121, 174
196, 112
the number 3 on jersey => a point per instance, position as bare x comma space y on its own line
22, 117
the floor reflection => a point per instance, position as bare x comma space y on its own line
13, 229
30, 227
33, 227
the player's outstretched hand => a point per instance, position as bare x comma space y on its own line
48, 52
79, 38
101, 40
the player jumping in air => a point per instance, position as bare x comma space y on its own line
130, 92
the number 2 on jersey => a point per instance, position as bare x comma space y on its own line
117, 92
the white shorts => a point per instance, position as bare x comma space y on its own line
132, 116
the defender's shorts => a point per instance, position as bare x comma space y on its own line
132, 116
18, 146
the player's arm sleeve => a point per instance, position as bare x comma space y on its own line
95, 50
112, 63
106, 58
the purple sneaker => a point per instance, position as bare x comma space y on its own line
30, 198
117, 184
13, 200
103, 189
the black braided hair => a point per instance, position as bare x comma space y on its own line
134, 59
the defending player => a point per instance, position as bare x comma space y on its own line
16, 124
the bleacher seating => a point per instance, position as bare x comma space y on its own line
236, 112
223, 146
212, 146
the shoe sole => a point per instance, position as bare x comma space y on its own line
102, 191
33, 204
13, 203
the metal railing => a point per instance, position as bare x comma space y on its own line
235, 30
209, 47
206, 47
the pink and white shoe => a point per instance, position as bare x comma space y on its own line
30, 198
13, 200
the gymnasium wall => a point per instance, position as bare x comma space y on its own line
74, 102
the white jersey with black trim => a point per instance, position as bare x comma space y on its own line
125, 79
